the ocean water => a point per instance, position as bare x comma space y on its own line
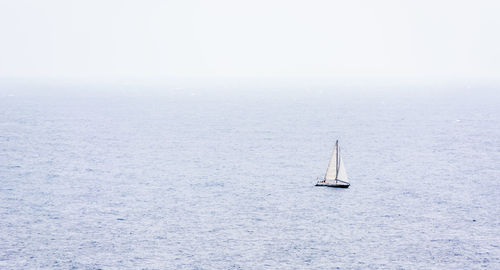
205, 180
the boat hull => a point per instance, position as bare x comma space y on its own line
338, 184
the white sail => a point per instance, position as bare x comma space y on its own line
336, 175
331, 172
342, 175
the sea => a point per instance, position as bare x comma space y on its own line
222, 177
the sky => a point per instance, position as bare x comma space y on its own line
262, 39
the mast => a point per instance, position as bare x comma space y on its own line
337, 165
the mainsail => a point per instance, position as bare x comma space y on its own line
336, 170
341, 173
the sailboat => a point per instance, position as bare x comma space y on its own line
336, 175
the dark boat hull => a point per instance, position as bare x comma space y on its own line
337, 184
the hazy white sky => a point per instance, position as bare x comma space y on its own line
219, 38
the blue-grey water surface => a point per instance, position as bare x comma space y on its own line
214, 181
